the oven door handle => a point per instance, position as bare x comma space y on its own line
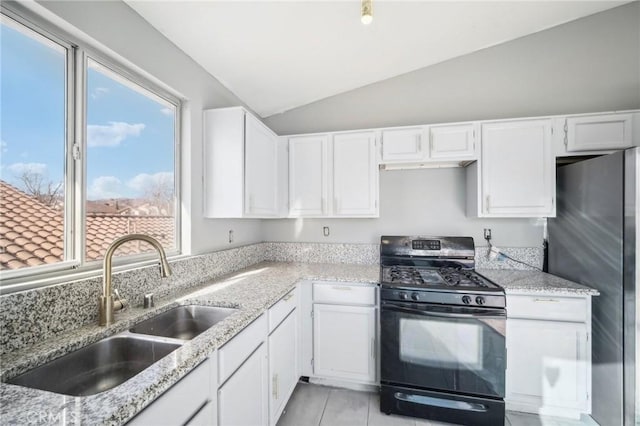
426, 312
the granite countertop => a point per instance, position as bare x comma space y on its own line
252, 291
528, 282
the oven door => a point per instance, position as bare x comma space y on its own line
450, 348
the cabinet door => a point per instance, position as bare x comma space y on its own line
308, 176
402, 145
261, 174
547, 365
344, 342
223, 162
452, 142
599, 132
518, 169
184, 399
355, 174
283, 358
242, 400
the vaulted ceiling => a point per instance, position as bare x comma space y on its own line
278, 55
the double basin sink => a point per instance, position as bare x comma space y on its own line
112, 361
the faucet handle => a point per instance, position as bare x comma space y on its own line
119, 303
148, 301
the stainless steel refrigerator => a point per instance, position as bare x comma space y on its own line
594, 241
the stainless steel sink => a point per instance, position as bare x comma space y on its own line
98, 367
183, 322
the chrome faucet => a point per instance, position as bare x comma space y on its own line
107, 305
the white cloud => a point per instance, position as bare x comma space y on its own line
20, 168
112, 134
104, 187
98, 92
167, 111
145, 181
3, 146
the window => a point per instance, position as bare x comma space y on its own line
130, 163
88, 153
32, 148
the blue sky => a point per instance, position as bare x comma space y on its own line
129, 135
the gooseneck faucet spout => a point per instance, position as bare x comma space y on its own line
107, 305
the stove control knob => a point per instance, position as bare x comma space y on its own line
403, 296
415, 296
480, 300
466, 300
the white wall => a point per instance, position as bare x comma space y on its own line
118, 27
412, 202
588, 65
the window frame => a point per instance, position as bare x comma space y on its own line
73, 265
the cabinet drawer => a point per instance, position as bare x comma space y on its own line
344, 293
281, 309
235, 351
181, 401
546, 307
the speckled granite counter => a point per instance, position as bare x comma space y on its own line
527, 282
252, 291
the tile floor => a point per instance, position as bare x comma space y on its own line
313, 405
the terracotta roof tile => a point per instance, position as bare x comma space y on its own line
31, 233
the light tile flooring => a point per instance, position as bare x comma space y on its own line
313, 405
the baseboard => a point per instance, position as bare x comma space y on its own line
345, 384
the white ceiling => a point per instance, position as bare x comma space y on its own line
278, 55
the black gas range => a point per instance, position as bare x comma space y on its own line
442, 325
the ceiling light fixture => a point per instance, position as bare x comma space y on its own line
367, 12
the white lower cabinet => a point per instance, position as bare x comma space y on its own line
548, 360
344, 342
242, 400
190, 398
283, 369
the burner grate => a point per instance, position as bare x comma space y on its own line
461, 278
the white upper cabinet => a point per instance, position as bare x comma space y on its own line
355, 174
515, 176
428, 146
308, 178
455, 142
241, 177
333, 175
402, 145
598, 132
261, 173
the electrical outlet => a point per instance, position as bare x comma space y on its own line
487, 234
325, 231
230, 236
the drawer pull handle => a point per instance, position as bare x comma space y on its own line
335, 287
545, 300
287, 297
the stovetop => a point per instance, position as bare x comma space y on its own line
426, 278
